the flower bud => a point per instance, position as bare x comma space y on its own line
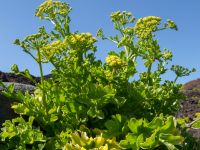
99, 141
15, 68
114, 61
145, 26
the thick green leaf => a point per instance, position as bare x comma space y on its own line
170, 146
95, 113
116, 126
170, 125
20, 109
156, 123
170, 138
151, 142
53, 117
113, 129
134, 125
130, 142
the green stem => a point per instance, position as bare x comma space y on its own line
51, 61
125, 47
85, 55
149, 72
161, 29
42, 80
40, 66
60, 30
189, 125
66, 28
28, 78
26, 51
176, 79
112, 40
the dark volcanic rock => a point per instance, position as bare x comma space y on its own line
194, 84
10, 77
20, 83
191, 105
19, 87
6, 113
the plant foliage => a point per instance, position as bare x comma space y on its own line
88, 104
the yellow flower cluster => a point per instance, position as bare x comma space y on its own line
167, 55
145, 26
83, 41
108, 74
50, 8
114, 61
51, 49
122, 17
80, 141
33, 41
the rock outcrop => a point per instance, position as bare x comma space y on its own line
11, 77
6, 113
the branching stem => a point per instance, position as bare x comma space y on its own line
42, 80
189, 125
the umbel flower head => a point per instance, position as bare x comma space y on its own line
171, 24
55, 47
49, 9
114, 61
145, 26
83, 41
34, 41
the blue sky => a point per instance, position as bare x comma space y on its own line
17, 21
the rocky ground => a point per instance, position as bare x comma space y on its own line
10, 77
191, 105
188, 109
21, 83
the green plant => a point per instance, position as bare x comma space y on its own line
18, 133
84, 91
149, 135
80, 141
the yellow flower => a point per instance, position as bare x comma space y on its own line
145, 26
83, 41
50, 8
114, 61
55, 47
